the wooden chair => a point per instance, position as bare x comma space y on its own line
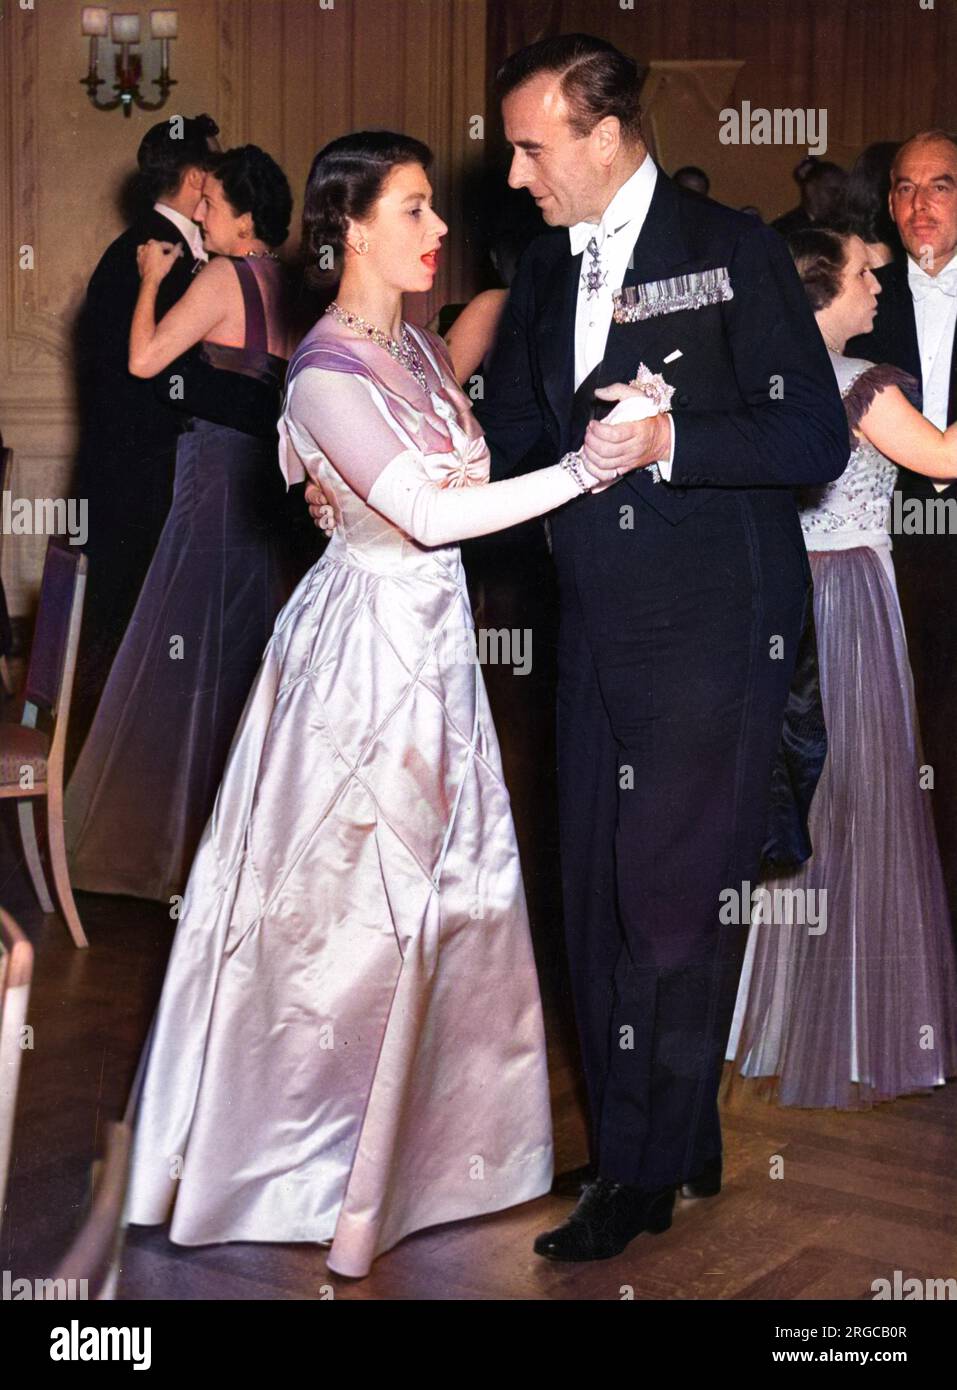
31, 761
6, 473
16, 970
95, 1254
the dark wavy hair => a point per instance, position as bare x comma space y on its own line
165, 153
866, 190
253, 182
346, 180
598, 80
820, 255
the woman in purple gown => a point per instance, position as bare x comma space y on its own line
848, 995
146, 779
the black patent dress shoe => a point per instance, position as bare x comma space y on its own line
706, 1183
609, 1215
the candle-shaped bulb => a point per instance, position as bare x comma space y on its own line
95, 21
163, 24
125, 28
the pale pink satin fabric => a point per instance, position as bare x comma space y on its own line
349, 1045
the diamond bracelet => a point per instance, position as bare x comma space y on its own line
572, 464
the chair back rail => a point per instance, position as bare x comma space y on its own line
49, 687
63, 570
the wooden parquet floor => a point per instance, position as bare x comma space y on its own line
860, 1194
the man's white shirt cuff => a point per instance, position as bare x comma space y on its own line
664, 465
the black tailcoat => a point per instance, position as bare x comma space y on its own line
127, 452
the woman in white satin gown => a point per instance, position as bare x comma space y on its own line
349, 1044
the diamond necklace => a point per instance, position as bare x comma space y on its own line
404, 352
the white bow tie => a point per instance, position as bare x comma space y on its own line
581, 234
922, 284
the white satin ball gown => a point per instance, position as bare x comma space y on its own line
349, 1043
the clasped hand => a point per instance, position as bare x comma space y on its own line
607, 453
611, 450
154, 259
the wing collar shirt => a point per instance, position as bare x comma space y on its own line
190, 231
615, 236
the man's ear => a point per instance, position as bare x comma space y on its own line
608, 133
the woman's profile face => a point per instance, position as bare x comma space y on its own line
403, 233
221, 226
857, 301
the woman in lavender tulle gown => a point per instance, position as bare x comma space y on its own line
349, 1045
857, 1003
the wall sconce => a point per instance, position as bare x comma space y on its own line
124, 29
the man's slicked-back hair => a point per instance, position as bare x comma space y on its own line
171, 147
597, 80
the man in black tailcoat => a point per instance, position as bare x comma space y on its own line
916, 329
685, 591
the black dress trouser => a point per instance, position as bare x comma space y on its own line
668, 725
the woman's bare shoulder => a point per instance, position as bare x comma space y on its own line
216, 271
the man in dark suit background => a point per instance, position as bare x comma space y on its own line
916, 329
129, 427
683, 600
